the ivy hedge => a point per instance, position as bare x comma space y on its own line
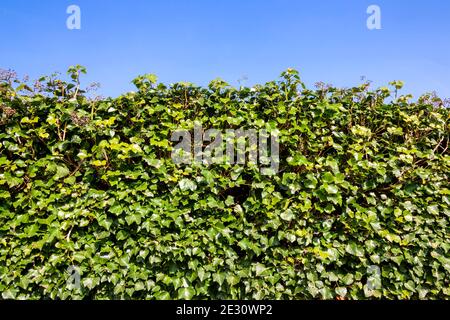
359, 208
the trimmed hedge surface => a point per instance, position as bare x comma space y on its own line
358, 210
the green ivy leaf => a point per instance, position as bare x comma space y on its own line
186, 293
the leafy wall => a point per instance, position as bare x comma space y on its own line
89, 184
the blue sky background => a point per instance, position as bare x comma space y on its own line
199, 40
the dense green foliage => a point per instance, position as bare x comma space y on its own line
89, 183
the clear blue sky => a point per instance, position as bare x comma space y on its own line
199, 40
